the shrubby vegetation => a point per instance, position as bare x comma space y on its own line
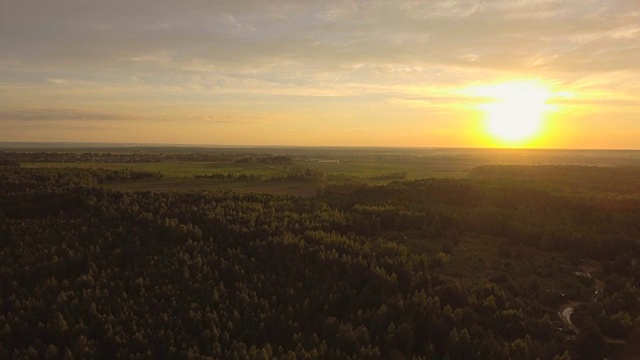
228, 176
390, 176
150, 155
359, 271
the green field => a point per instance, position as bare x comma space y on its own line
367, 168
362, 168
177, 170
180, 175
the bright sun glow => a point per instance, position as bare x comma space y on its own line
515, 113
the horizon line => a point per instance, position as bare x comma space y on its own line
77, 144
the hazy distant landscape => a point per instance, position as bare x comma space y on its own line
188, 252
189, 167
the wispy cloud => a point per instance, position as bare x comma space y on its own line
57, 115
250, 34
234, 119
411, 103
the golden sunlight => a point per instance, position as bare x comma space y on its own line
515, 116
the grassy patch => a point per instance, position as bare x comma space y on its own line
174, 170
366, 168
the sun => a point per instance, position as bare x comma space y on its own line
515, 112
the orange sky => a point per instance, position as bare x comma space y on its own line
284, 72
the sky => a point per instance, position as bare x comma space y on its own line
295, 72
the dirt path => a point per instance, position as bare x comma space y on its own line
565, 314
567, 309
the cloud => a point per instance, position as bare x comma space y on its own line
60, 81
57, 115
221, 36
234, 119
410, 103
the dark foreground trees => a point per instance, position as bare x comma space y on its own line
88, 272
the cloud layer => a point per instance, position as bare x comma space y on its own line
285, 58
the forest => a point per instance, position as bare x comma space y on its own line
475, 268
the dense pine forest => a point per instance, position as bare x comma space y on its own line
474, 268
